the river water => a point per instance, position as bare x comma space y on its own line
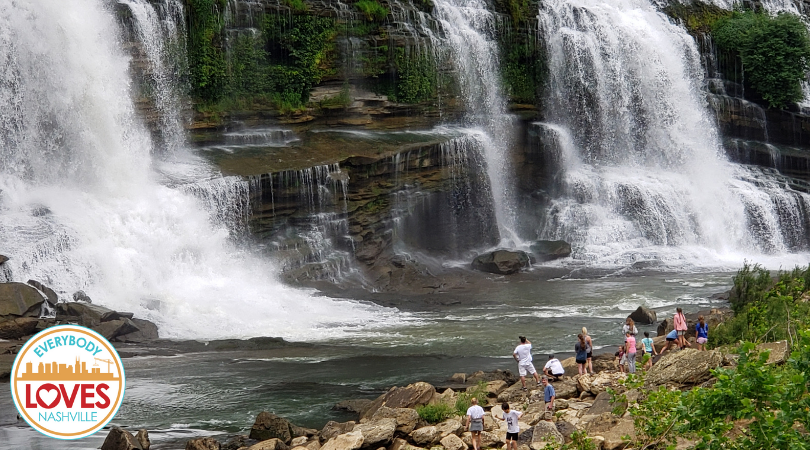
220, 393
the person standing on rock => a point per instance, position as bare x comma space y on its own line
523, 356
629, 326
589, 343
581, 348
512, 426
548, 396
702, 333
630, 345
680, 326
649, 349
475, 422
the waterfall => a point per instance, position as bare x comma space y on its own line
84, 205
469, 30
160, 30
642, 174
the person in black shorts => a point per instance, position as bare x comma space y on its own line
512, 427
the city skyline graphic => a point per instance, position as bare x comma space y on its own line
54, 371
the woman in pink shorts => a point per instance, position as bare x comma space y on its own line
702, 333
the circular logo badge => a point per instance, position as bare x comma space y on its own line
67, 382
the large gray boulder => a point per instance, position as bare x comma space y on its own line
643, 315
453, 442
118, 439
88, 315
502, 262
348, 441
53, 299
378, 432
406, 417
687, 366
550, 250
779, 351
143, 438
207, 443
545, 433
411, 396
268, 426
18, 327
334, 429
147, 331
426, 435
19, 299
114, 328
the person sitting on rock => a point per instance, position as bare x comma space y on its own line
512, 427
553, 368
475, 422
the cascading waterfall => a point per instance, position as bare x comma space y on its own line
160, 30
81, 206
469, 31
641, 169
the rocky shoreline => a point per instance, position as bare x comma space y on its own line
596, 404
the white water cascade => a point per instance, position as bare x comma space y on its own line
82, 206
641, 172
469, 29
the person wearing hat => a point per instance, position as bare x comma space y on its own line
553, 368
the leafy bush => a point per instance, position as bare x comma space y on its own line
772, 402
372, 9
765, 310
463, 401
774, 52
435, 413
415, 77
207, 67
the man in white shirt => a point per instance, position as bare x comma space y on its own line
523, 355
553, 368
475, 422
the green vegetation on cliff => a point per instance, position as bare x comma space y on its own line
207, 66
523, 66
373, 10
773, 52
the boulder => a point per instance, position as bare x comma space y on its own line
489, 422
515, 392
399, 444
643, 315
565, 389
449, 426
411, 396
406, 417
333, 429
357, 406
602, 404
495, 375
459, 377
614, 437
3, 259
18, 327
53, 299
487, 439
147, 331
269, 444
118, 439
779, 351
502, 262
208, 443
377, 432
114, 328
687, 366
545, 433
80, 296
237, 442
597, 383
570, 366
89, 315
426, 435
19, 299
143, 438
550, 250
566, 429
453, 442
349, 441
268, 426
298, 441
494, 388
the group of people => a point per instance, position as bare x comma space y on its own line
553, 369
626, 355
